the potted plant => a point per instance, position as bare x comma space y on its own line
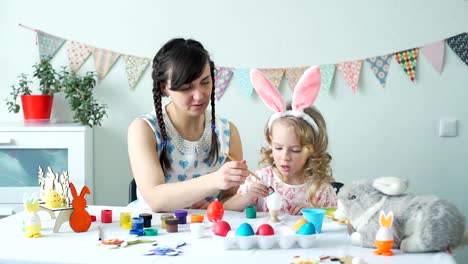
35, 107
79, 93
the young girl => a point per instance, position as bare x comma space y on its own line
177, 151
297, 158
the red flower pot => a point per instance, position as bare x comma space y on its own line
36, 107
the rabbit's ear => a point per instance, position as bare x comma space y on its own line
390, 185
307, 89
73, 190
267, 92
84, 191
386, 220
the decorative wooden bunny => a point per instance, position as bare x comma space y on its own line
80, 220
32, 222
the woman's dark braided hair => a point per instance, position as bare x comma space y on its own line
182, 61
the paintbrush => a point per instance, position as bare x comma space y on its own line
253, 174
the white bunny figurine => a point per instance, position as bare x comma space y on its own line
32, 222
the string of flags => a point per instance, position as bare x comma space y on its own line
78, 53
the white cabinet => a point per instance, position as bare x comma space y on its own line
23, 147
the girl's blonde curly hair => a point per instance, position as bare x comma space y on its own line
317, 167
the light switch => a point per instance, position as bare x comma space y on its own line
448, 128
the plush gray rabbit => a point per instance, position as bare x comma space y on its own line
421, 223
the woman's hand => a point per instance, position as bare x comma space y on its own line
231, 174
297, 207
202, 204
256, 190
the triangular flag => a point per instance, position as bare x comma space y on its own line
222, 78
293, 74
434, 52
243, 78
459, 45
273, 75
327, 71
350, 71
48, 44
78, 53
380, 66
103, 60
408, 60
135, 66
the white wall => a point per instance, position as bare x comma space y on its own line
391, 131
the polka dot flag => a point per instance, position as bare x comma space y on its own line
380, 66
222, 78
408, 60
350, 71
48, 44
327, 71
135, 66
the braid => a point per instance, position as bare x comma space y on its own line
214, 152
163, 159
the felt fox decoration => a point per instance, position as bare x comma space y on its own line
384, 237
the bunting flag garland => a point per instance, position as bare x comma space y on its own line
78, 53
242, 75
380, 66
351, 71
327, 71
104, 60
222, 78
408, 60
293, 74
135, 66
434, 52
459, 44
273, 75
48, 44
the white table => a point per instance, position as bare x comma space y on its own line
70, 247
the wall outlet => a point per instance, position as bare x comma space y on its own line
448, 128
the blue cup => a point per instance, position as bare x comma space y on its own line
314, 216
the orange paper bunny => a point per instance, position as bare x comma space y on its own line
384, 237
80, 220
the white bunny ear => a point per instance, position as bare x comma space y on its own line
390, 185
267, 92
307, 88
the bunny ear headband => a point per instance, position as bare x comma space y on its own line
304, 95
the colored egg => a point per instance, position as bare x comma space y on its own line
221, 228
215, 211
298, 224
245, 229
306, 229
53, 199
265, 230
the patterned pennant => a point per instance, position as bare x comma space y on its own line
327, 71
222, 78
135, 66
273, 75
408, 60
380, 66
293, 75
434, 52
78, 53
459, 44
48, 44
103, 60
350, 71
243, 78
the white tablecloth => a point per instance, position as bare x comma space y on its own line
70, 247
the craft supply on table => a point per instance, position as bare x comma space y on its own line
172, 225
164, 217
251, 211
181, 215
106, 216
196, 218
146, 219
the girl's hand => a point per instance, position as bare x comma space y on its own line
202, 204
231, 174
256, 190
297, 207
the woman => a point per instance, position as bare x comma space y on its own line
178, 151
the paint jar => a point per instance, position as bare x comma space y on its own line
164, 217
251, 211
197, 230
125, 219
181, 215
106, 216
146, 219
172, 225
196, 218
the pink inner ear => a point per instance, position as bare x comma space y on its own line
307, 88
267, 92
